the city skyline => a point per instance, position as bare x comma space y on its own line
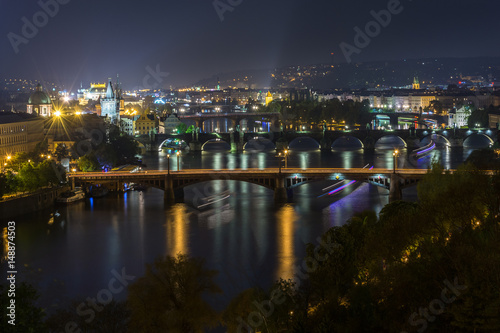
164, 44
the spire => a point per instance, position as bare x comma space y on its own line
109, 91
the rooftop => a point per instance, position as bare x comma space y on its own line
11, 117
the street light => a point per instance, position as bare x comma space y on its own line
168, 164
286, 159
279, 162
178, 160
395, 157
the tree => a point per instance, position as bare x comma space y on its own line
62, 152
478, 118
113, 318
181, 128
169, 297
28, 316
29, 178
88, 163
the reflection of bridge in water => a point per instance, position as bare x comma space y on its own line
281, 181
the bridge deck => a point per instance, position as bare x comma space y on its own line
254, 171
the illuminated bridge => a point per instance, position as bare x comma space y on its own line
281, 181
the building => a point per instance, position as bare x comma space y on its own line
169, 124
458, 118
145, 124
416, 84
112, 104
127, 124
494, 120
96, 91
40, 103
269, 98
20, 132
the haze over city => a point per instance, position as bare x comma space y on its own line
88, 41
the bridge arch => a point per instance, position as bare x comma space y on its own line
478, 140
216, 144
304, 143
439, 139
259, 144
347, 142
173, 143
390, 142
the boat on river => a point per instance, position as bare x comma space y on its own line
209, 201
71, 196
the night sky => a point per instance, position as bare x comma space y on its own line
95, 39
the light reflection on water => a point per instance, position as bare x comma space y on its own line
246, 237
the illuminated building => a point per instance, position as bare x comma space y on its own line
112, 104
20, 132
40, 103
269, 98
458, 118
169, 124
416, 84
146, 124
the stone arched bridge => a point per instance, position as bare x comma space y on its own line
368, 138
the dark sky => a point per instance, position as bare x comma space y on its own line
94, 39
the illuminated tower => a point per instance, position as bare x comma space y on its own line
416, 84
269, 98
110, 105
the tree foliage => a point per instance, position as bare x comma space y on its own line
170, 296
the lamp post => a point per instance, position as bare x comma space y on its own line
279, 162
286, 159
178, 160
395, 158
168, 164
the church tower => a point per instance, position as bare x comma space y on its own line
269, 98
416, 84
110, 105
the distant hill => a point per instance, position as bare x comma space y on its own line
431, 71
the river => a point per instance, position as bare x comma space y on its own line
247, 238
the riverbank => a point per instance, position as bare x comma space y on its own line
11, 207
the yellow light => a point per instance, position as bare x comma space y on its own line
9, 157
78, 113
57, 113
178, 153
48, 156
74, 170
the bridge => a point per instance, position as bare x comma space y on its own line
367, 139
280, 180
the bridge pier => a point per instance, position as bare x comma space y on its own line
281, 144
326, 144
456, 142
280, 192
195, 146
395, 192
